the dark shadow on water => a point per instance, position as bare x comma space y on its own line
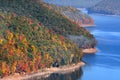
68, 76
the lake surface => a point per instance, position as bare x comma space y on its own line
105, 64
67, 76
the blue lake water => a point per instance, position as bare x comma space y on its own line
105, 64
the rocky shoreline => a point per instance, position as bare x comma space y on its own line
87, 25
89, 51
45, 72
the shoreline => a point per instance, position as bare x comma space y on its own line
87, 25
45, 72
105, 14
89, 51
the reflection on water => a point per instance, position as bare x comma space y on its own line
68, 76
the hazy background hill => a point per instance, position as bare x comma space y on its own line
75, 3
107, 7
74, 14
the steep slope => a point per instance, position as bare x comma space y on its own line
44, 14
74, 14
75, 3
33, 36
106, 7
26, 46
47, 16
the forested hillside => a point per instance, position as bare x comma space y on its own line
107, 7
33, 36
27, 46
75, 3
46, 15
74, 14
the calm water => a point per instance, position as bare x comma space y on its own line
105, 64
69, 76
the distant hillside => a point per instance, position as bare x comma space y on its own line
74, 14
75, 3
106, 7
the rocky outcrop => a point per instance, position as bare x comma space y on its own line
83, 42
85, 22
